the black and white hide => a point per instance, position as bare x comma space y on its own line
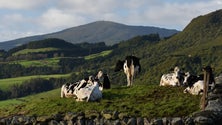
103, 80
171, 79
67, 90
196, 83
131, 67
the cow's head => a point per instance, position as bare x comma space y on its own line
99, 75
177, 72
186, 77
179, 75
119, 66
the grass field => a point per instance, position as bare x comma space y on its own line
49, 62
6, 83
26, 51
101, 54
141, 100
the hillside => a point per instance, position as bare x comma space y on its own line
141, 101
100, 31
198, 45
190, 49
54, 47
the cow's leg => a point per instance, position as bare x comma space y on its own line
128, 80
187, 90
132, 74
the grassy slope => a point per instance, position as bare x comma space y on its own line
53, 62
140, 100
143, 100
50, 62
26, 51
6, 83
101, 54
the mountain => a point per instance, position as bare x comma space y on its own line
100, 31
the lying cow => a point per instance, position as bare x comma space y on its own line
87, 89
131, 66
196, 83
196, 89
90, 92
171, 79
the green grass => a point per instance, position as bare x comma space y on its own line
6, 83
49, 62
141, 100
101, 54
26, 51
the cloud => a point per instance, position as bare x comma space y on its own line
171, 15
20, 4
57, 19
28, 17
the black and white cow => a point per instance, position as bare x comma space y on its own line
172, 79
131, 66
88, 92
196, 83
67, 90
103, 80
88, 89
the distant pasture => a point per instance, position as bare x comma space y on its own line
6, 83
101, 54
27, 51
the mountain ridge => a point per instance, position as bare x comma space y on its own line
99, 31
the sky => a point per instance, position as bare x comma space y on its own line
21, 18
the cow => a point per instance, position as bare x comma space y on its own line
131, 66
190, 79
88, 93
103, 80
67, 90
196, 89
196, 83
171, 79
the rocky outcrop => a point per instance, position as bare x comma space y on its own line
212, 115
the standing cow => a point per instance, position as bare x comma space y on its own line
131, 66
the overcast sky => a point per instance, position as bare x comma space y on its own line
20, 18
